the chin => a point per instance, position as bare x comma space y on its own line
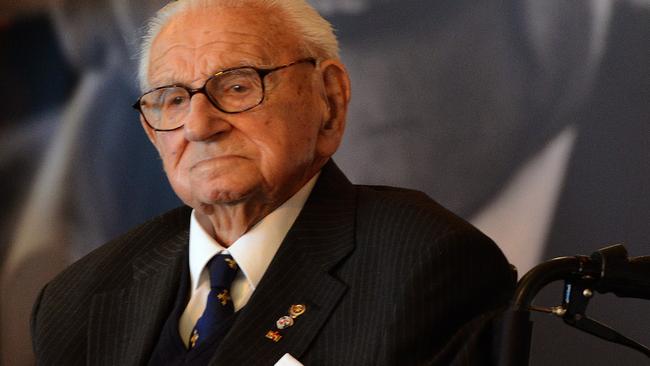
214, 183
224, 196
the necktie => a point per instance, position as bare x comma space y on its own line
219, 307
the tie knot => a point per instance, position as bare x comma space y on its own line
222, 269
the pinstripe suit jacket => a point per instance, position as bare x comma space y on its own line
388, 277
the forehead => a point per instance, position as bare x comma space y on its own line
198, 42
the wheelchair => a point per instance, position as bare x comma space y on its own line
608, 270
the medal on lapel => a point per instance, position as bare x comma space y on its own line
286, 321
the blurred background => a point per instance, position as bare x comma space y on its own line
529, 118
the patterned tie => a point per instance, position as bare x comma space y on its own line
219, 307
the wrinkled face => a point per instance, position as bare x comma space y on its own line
265, 154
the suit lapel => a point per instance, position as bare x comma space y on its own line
322, 236
125, 323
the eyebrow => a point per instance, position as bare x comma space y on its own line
260, 63
175, 81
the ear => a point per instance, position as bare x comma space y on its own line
336, 87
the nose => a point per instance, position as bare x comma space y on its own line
204, 121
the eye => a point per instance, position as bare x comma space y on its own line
235, 84
178, 100
238, 89
175, 98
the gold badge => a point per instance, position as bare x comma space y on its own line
273, 335
297, 310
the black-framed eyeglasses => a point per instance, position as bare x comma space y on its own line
233, 90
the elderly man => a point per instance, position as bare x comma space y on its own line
278, 258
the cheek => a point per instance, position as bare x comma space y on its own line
286, 131
169, 146
287, 137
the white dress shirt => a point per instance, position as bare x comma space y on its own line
253, 252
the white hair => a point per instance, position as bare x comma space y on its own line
316, 34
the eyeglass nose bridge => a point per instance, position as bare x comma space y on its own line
204, 122
215, 103
203, 90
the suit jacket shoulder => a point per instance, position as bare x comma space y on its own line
64, 308
437, 271
410, 222
405, 207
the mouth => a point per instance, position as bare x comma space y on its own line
211, 161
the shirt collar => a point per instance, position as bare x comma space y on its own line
254, 250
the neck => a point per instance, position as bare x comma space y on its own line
226, 223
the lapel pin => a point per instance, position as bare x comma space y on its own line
297, 310
273, 335
284, 322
